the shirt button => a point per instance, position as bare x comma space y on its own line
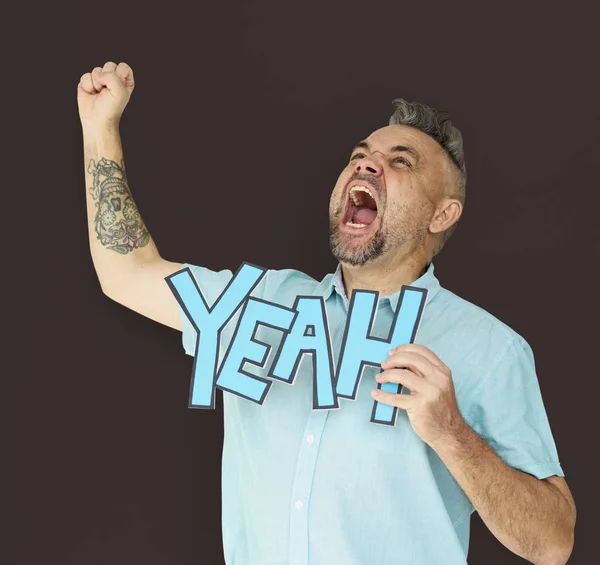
310, 438
298, 504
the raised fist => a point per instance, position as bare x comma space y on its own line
103, 94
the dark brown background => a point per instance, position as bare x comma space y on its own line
242, 117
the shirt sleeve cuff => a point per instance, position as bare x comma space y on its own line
541, 469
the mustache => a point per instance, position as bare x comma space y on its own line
372, 180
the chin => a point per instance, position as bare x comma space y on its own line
356, 254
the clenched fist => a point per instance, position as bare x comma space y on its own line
103, 94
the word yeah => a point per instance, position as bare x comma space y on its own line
305, 331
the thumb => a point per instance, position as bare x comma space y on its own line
111, 81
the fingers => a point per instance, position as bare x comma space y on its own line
404, 377
102, 76
413, 361
125, 73
96, 78
403, 401
420, 360
109, 67
421, 350
86, 83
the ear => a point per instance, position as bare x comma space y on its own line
448, 212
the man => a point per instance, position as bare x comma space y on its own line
329, 486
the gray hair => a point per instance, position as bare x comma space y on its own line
437, 125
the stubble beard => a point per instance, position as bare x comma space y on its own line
407, 231
355, 255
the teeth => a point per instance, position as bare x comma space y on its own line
353, 225
356, 189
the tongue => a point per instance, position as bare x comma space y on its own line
364, 216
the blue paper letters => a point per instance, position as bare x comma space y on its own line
305, 330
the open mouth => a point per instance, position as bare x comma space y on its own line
361, 208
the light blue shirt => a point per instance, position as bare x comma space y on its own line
327, 487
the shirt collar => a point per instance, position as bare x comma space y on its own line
427, 280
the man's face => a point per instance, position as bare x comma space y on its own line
404, 172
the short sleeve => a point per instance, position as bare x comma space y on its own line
508, 412
212, 284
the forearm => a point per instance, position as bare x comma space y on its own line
119, 239
529, 516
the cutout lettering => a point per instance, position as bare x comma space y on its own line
305, 332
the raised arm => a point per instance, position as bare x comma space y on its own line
129, 267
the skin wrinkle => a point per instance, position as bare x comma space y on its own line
414, 208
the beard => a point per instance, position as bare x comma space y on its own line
406, 229
350, 253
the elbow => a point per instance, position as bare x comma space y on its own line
555, 560
110, 292
559, 555
562, 550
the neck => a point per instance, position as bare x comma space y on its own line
386, 277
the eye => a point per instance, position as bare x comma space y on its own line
403, 160
356, 155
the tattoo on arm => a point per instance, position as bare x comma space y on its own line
118, 223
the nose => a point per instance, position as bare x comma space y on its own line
369, 164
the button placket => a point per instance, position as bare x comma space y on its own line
303, 480
302, 487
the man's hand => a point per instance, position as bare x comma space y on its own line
103, 94
533, 518
431, 406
